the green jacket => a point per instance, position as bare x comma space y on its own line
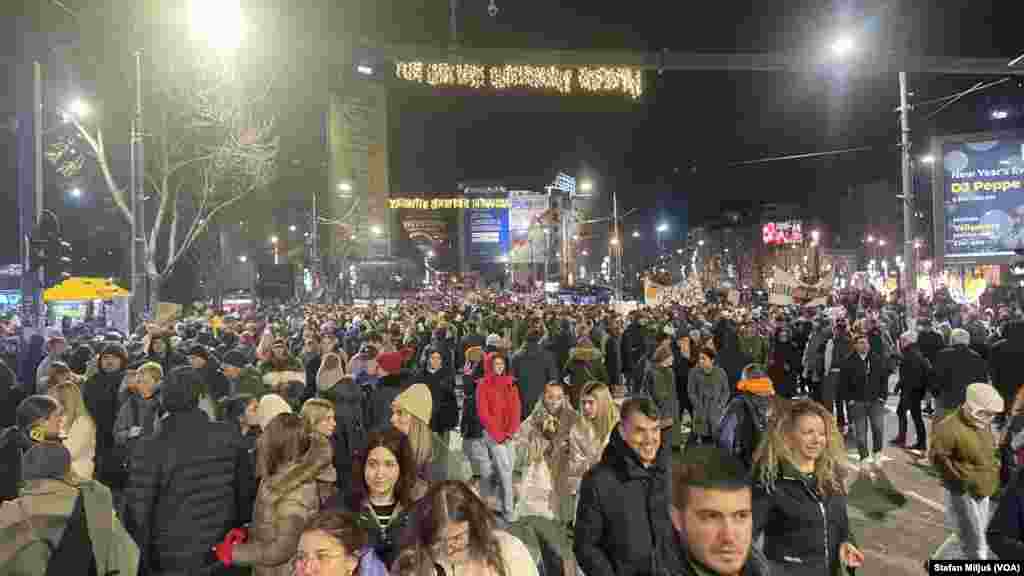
664, 391
33, 523
250, 381
755, 348
447, 464
964, 456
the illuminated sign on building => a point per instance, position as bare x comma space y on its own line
448, 203
781, 233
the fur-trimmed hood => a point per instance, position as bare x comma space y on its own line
313, 463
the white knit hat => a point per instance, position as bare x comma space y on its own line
269, 407
982, 396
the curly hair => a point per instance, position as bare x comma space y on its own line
830, 468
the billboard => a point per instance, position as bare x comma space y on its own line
526, 236
780, 233
486, 235
979, 196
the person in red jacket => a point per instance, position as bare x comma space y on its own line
497, 403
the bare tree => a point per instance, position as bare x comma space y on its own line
210, 146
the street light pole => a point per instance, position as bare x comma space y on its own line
140, 279
909, 279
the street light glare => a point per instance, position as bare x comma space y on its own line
345, 186
663, 227
76, 192
375, 230
927, 159
586, 186
80, 108
364, 69
1000, 114
843, 46
273, 239
636, 234
614, 241
292, 228
219, 22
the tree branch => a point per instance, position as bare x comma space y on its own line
96, 144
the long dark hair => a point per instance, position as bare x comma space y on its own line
453, 501
398, 444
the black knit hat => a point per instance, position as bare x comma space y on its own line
235, 358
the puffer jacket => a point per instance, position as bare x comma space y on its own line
533, 367
963, 456
28, 527
709, 393
622, 521
186, 488
101, 399
584, 452
663, 390
386, 541
802, 528
285, 502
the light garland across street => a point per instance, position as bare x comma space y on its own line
591, 80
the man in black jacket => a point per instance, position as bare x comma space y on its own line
623, 526
533, 367
956, 368
712, 511
914, 371
863, 381
187, 484
1003, 363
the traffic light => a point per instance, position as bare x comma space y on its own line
39, 253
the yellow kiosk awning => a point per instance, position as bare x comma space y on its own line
80, 288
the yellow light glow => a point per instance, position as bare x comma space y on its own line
597, 80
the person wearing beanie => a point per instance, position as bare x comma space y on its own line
215, 383
270, 406
956, 367
52, 504
747, 414
242, 376
709, 390
411, 412
962, 453
663, 391
187, 482
390, 383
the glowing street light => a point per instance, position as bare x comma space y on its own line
881, 241
663, 227
700, 243
430, 254
243, 258
292, 228
76, 192
376, 230
274, 239
586, 186
927, 159
80, 108
614, 241
219, 22
636, 234
345, 186
1000, 114
843, 46
365, 69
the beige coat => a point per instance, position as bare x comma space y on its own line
545, 489
81, 443
284, 502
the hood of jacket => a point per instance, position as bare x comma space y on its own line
585, 354
327, 378
757, 386
311, 465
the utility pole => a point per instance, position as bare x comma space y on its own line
32, 284
140, 278
909, 272
617, 246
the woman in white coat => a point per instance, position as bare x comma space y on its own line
79, 428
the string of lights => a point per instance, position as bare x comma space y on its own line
599, 80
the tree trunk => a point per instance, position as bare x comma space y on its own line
155, 284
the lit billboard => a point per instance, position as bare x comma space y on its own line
979, 196
781, 233
526, 236
486, 235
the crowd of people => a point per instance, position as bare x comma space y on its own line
490, 437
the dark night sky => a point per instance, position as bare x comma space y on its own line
647, 150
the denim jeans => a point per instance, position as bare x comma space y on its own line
499, 474
968, 518
861, 414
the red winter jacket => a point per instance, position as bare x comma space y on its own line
497, 403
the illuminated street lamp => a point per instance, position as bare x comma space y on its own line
586, 186
375, 230
927, 159
274, 239
75, 192
219, 22
636, 234
1000, 114
243, 258
843, 46
614, 241
345, 187
292, 228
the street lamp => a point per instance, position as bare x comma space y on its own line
375, 230
586, 186
614, 241
365, 69
345, 187
75, 192
243, 258
636, 234
219, 22
843, 46
1000, 114
80, 108
663, 227
927, 159
274, 239
292, 228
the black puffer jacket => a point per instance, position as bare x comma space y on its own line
533, 367
187, 487
1004, 362
802, 529
622, 520
445, 413
956, 368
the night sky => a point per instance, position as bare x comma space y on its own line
671, 148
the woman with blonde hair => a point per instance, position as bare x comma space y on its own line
800, 493
589, 434
318, 417
79, 427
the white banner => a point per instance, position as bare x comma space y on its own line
787, 289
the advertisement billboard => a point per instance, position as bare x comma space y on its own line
526, 236
979, 196
486, 235
780, 233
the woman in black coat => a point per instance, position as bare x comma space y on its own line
784, 363
800, 494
